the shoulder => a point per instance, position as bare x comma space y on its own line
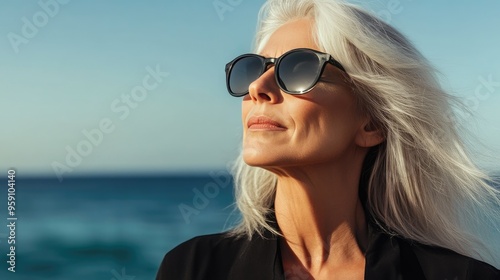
207, 255
212, 243
440, 263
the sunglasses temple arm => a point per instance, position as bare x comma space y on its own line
337, 64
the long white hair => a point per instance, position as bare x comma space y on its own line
423, 185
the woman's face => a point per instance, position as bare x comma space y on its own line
318, 127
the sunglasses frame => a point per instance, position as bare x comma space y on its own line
266, 61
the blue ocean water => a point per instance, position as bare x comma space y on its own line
112, 228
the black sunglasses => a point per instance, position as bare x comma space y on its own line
297, 71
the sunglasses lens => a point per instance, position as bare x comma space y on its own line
243, 73
298, 71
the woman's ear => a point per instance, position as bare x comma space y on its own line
369, 135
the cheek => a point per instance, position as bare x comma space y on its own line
245, 109
331, 124
341, 110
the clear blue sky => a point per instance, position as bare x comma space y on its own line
63, 71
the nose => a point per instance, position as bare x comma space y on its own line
265, 88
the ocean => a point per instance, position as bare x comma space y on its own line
110, 228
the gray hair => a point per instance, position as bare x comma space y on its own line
423, 185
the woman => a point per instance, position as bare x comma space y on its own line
350, 166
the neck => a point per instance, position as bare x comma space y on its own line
321, 217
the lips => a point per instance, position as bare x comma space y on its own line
263, 122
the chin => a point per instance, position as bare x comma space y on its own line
264, 160
257, 158
253, 159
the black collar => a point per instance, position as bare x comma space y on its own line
261, 258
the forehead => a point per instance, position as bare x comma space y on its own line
292, 35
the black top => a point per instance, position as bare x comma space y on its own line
219, 256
